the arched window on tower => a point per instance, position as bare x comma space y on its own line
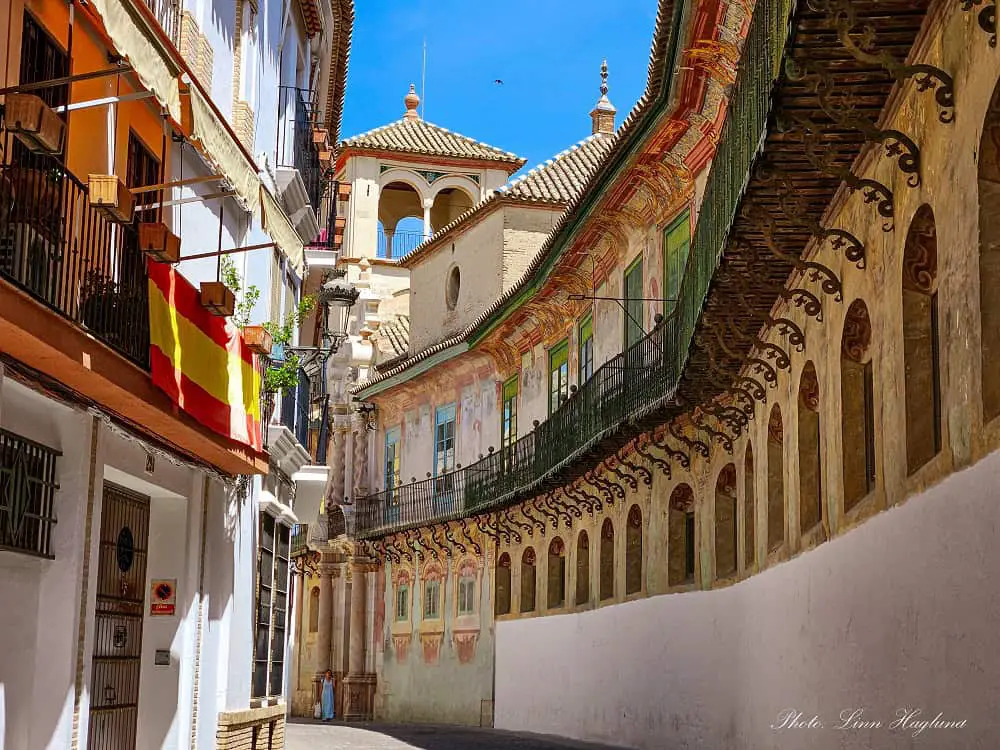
681, 531
775, 481
556, 574
857, 398
607, 560
810, 469
633, 551
582, 568
528, 580
921, 346
725, 522
502, 603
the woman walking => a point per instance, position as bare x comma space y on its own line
328, 696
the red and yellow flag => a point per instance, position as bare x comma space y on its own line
200, 360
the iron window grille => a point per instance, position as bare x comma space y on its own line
27, 494
272, 605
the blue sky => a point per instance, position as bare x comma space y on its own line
547, 52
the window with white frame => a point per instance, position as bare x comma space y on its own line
444, 447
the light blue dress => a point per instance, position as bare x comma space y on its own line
327, 699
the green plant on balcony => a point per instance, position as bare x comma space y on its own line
281, 374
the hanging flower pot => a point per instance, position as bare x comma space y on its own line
34, 123
217, 298
158, 242
258, 339
343, 191
109, 195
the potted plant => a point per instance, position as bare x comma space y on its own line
282, 372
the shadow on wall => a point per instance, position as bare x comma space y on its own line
303, 734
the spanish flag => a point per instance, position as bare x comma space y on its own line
200, 360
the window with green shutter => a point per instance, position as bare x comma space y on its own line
558, 375
676, 244
633, 302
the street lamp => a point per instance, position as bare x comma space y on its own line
337, 296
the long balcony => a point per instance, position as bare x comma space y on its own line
305, 411
168, 13
67, 255
646, 385
299, 173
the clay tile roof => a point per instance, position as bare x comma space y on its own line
392, 340
562, 177
413, 136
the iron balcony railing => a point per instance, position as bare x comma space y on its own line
67, 255
295, 148
640, 379
168, 13
397, 244
300, 537
27, 491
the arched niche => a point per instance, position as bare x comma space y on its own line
681, 536
775, 480
528, 580
921, 343
810, 465
633, 551
725, 522
857, 399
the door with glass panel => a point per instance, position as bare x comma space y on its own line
121, 589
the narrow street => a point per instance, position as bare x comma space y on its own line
312, 735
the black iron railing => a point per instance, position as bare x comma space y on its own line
300, 535
67, 255
639, 380
397, 244
295, 147
27, 491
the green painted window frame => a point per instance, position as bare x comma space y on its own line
676, 248
634, 306
558, 374
508, 412
585, 337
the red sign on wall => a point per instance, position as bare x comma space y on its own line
163, 597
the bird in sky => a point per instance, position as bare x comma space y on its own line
498, 81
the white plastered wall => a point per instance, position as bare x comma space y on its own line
898, 613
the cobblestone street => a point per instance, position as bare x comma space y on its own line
303, 735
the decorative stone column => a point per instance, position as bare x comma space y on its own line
324, 639
428, 204
337, 462
360, 485
359, 685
